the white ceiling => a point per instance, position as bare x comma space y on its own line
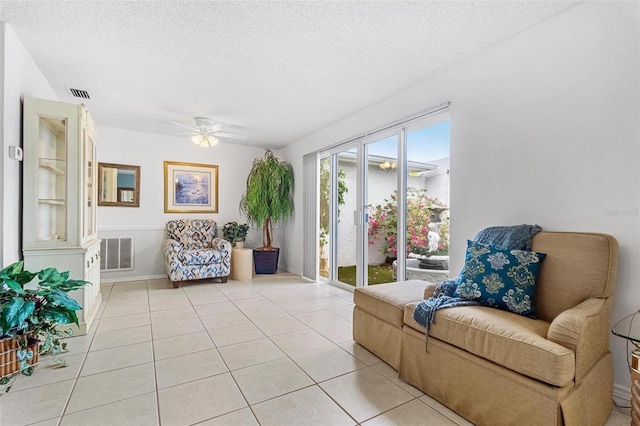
275, 71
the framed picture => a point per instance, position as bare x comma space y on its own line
190, 188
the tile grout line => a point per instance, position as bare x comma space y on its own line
78, 377
153, 357
225, 364
75, 380
315, 383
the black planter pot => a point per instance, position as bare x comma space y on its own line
266, 261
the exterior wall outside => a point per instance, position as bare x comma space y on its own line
544, 129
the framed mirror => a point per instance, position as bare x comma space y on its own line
118, 185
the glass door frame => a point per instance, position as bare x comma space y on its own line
360, 215
400, 128
401, 200
332, 154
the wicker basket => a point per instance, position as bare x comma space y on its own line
9, 362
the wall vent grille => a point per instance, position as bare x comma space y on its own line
116, 254
77, 93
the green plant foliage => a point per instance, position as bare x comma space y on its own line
234, 232
31, 315
268, 196
383, 224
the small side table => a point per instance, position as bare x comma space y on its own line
241, 264
629, 328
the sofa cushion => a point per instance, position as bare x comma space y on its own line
387, 301
516, 342
502, 278
201, 256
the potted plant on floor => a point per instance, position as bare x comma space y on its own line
268, 199
31, 316
235, 233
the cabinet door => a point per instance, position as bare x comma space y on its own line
50, 166
90, 192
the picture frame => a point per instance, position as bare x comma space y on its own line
190, 188
118, 185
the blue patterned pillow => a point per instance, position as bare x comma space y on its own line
504, 279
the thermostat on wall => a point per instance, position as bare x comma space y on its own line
15, 152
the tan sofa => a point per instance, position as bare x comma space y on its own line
496, 367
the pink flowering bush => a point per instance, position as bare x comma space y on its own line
383, 224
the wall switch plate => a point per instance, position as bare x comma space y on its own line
15, 152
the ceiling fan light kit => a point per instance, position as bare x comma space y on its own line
204, 141
206, 132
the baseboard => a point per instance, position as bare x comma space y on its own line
138, 278
622, 395
285, 268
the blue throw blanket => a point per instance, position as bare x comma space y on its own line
505, 237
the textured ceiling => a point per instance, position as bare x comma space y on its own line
275, 71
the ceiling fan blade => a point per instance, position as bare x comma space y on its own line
184, 125
185, 133
215, 127
229, 136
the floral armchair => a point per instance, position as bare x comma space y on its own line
192, 251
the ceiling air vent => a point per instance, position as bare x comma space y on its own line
77, 93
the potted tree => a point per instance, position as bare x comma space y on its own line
235, 233
268, 199
31, 317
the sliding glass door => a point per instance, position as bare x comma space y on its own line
337, 233
427, 201
384, 206
381, 207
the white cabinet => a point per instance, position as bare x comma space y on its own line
59, 196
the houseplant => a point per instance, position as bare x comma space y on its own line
235, 233
268, 199
30, 316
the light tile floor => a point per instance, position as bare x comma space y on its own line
276, 350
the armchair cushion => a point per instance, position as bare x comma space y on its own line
200, 256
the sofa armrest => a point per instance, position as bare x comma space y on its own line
585, 330
171, 248
429, 289
221, 244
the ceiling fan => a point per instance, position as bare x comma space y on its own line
207, 132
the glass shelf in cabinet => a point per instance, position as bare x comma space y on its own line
53, 165
51, 201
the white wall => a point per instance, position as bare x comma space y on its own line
146, 223
544, 129
21, 78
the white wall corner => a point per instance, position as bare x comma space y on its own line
621, 395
